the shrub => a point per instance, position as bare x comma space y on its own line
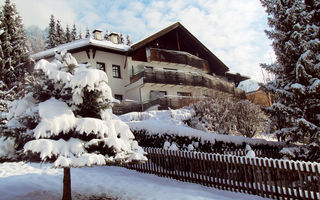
228, 116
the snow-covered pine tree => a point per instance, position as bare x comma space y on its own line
129, 42
121, 39
295, 33
68, 34
52, 34
13, 42
74, 33
66, 119
106, 35
80, 35
61, 36
88, 35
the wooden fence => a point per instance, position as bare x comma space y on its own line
266, 177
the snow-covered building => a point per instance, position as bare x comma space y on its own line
159, 69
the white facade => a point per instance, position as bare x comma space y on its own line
125, 74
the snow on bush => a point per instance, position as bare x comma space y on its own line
227, 116
162, 128
66, 118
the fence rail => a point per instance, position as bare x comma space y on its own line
266, 177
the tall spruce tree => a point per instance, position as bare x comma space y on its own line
74, 33
13, 45
52, 34
106, 35
121, 39
88, 35
295, 33
129, 42
80, 35
68, 34
61, 36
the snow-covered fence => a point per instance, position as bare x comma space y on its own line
266, 177
268, 153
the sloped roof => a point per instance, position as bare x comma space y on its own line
170, 28
81, 43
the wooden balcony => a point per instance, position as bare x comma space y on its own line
178, 57
184, 78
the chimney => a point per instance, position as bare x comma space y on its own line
114, 37
97, 34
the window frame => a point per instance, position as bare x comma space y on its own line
184, 94
116, 73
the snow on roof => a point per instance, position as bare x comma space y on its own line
81, 43
249, 85
96, 30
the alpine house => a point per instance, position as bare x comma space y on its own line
169, 68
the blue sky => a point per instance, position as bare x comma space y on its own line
232, 29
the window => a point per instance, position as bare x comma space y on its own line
157, 94
116, 71
184, 94
101, 66
118, 96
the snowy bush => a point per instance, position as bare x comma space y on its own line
66, 118
188, 143
228, 116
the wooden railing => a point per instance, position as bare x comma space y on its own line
179, 57
271, 178
186, 79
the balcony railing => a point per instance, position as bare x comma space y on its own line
179, 57
184, 78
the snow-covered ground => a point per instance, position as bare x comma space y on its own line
33, 181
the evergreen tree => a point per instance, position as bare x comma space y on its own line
52, 34
295, 34
68, 121
129, 42
80, 35
61, 36
121, 39
14, 53
74, 33
88, 35
68, 34
106, 36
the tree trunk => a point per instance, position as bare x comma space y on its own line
66, 184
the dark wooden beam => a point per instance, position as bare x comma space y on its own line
88, 53
178, 41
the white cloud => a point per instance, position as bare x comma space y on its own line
232, 30
35, 12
